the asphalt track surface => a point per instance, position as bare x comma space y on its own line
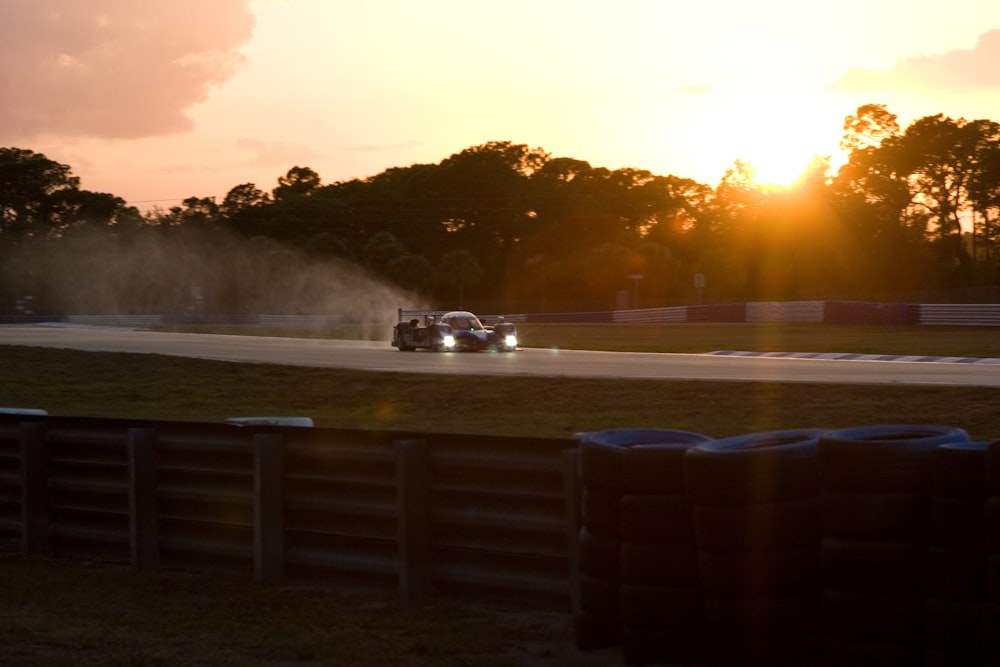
529, 362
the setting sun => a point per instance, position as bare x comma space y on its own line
778, 135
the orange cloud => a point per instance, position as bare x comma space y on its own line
113, 68
961, 70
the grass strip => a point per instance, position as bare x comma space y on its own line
145, 386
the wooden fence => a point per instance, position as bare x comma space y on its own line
430, 512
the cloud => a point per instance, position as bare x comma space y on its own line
962, 70
113, 69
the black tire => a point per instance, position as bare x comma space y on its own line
600, 512
890, 458
841, 652
664, 645
602, 453
991, 524
956, 575
659, 565
959, 470
772, 616
993, 468
797, 650
956, 523
755, 468
878, 567
658, 469
667, 519
759, 526
594, 633
993, 578
760, 573
653, 606
600, 598
952, 624
881, 618
865, 515
991, 630
599, 556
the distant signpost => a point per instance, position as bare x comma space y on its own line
635, 278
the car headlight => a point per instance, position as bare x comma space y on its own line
448, 340
510, 341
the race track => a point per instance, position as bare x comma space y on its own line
380, 356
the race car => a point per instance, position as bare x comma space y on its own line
458, 330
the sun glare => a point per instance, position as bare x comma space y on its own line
779, 136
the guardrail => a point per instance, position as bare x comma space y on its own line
483, 515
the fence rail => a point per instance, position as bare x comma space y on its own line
986, 314
828, 312
432, 512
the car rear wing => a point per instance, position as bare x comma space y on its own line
409, 314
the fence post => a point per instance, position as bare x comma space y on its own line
268, 508
571, 493
34, 500
414, 520
143, 531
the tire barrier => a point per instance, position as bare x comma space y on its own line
877, 484
638, 584
956, 557
991, 545
875, 545
757, 525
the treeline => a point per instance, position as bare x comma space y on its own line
507, 227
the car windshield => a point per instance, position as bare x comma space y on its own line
468, 322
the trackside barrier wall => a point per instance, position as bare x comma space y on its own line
785, 311
432, 512
960, 314
828, 312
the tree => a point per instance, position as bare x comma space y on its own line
458, 270
33, 191
299, 181
871, 125
241, 201
984, 193
194, 212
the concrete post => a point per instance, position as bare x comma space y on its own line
269, 508
414, 521
143, 514
34, 498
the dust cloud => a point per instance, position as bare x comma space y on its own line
205, 275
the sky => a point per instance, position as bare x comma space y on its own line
161, 100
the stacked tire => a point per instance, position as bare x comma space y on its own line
991, 542
956, 557
876, 497
757, 525
638, 584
